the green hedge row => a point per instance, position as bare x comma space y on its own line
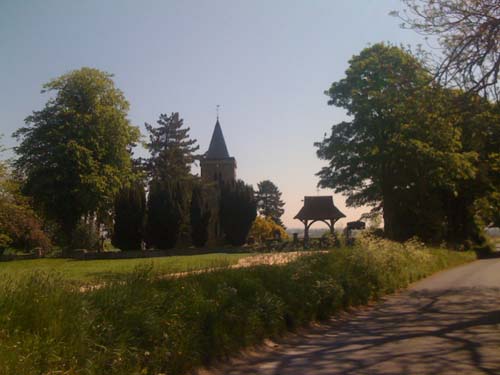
148, 325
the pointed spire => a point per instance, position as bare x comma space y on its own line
217, 148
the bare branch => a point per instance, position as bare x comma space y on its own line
468, 32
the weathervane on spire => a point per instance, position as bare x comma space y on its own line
217, 110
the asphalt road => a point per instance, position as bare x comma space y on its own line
446, 324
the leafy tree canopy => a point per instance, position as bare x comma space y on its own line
75, 153
402, 143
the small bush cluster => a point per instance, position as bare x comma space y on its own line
149, 325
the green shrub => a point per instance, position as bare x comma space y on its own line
147, 325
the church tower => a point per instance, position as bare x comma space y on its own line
216, 165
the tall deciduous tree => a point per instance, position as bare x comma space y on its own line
172, 150
469, 34
402, 146
238, 210
130, 214
75, 152
269, 202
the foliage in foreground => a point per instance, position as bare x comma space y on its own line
151, 326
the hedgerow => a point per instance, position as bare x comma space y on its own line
152, 325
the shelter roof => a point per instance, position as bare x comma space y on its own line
319, 208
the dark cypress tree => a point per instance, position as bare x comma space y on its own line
130, 210
269, 201
164, 214
238, 210
200, 218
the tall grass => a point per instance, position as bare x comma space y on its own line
148, 325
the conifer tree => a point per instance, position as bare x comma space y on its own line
238, 210
130, 211
172, 150
172, 154
269, 201
200, 218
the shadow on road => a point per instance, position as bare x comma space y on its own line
417, 332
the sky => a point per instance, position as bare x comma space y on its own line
267, 64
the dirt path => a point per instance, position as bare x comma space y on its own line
273, 258
446, 324
254, 260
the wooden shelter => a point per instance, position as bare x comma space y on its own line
318, 208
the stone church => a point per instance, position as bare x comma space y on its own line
216, 165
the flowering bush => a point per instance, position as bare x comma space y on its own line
264, 228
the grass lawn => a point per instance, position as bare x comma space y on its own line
89, 270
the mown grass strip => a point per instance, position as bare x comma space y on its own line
90, 270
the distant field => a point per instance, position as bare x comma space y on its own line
78, 270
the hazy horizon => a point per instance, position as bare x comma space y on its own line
267, 65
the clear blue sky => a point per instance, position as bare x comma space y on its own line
266, 62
